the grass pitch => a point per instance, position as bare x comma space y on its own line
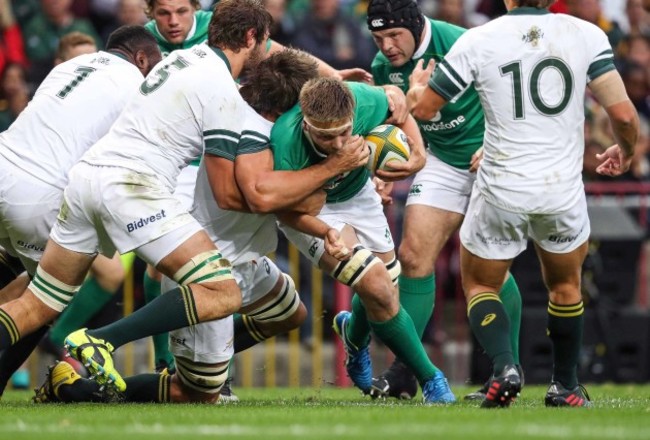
621, 412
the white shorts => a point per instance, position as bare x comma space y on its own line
185, 184
442, 186
496, 234
364, 212
108, 208
28, 209
212, 342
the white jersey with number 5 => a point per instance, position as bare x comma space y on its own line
74, 106
530, 68
188, 101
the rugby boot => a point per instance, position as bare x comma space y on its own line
557, 395
437, 390
503, 389
57, 375
479, 395
96, 356
357, 362
397, 381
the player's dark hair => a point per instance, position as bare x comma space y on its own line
274, 86
231, 21
539, 4
151, 4
131, 39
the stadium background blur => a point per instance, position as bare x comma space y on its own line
617, 329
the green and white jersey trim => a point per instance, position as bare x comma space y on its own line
530, 69
221, 143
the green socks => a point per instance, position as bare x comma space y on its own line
358, 329
90, 299
511, 300
173, 310
160, 341
565, 326
418, 296
491, 326
399, 334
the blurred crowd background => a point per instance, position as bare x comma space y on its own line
333, 30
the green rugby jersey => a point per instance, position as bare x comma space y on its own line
292, 150
456, 132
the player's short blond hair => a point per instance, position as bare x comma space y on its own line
150, 4
326, 100
70, 41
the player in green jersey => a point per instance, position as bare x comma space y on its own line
349, 238
439, 195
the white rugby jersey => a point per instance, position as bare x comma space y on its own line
72, 109
187, 101
530, 68
240, 236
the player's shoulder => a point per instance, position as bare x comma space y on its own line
443, 27
578, 25
255, 122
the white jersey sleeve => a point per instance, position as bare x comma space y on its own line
530, 69
72, 109
240, 236
187, 101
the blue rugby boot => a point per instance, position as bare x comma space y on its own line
437, 390
357, 362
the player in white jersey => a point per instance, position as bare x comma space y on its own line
529, 68
52, 133
73, 107
120, 196
270, 303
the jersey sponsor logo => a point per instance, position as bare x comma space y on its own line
498, 241
175, 340
144, 221
442, 126
488, 319
396, 78
31, 246
562, 238
377, 22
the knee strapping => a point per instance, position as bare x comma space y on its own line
394, 270
351, 271
207, 379
54, 293
281, 307
206, 267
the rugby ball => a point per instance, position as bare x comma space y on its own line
386, 143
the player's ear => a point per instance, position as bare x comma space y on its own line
142, 62
250, 38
